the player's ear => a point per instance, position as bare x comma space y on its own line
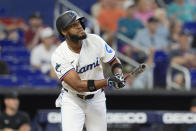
64, 32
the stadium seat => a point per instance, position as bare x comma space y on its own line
193, 78
13, 62
15, 52
52, 127
10, 81
5, 43
161, 61
24, 71
42, 82
190, 27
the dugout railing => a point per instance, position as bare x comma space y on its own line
171, 84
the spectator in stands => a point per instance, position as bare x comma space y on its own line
193, 105
3, 68
181, 10
41, 54
12, 119
129, 25
2, 31
175, 29
97, 7
152, 36
183, 55
144, 10
13, 35
13, 29
161, 15
32, 35
108, 19
193, 110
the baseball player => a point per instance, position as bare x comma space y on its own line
77, 63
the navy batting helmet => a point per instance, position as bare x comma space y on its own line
67, 18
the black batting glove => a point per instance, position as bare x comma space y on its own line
116, 81
121, 78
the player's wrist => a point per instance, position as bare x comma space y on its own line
117, 68
91, 85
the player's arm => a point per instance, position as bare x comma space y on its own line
116, 66
73, 80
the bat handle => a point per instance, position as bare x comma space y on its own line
127, 77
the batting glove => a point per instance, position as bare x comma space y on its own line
121, 78
116, 81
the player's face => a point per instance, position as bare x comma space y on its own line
12, 103
75, 31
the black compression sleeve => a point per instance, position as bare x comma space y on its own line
91, 85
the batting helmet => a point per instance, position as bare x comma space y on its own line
67, 18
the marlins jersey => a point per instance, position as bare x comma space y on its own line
87, 63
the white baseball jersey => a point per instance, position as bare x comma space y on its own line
87, 63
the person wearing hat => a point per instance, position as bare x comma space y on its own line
41, 54
152, 36
12, 119
32, 35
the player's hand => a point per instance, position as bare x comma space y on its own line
120, 76
116, 81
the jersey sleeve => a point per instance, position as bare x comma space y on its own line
61, 66
106, 52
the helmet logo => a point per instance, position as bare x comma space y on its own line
71, 14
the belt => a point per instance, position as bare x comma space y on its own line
83, 97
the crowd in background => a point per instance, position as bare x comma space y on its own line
39, 39
152, 27
145, 22
149, 25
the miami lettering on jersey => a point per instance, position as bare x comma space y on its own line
88, 67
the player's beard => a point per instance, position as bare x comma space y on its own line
77, 37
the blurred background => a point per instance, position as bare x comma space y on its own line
160, 33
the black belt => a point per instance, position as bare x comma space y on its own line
83, 97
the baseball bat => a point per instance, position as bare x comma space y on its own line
141, 68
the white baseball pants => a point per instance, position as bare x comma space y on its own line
76, 112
